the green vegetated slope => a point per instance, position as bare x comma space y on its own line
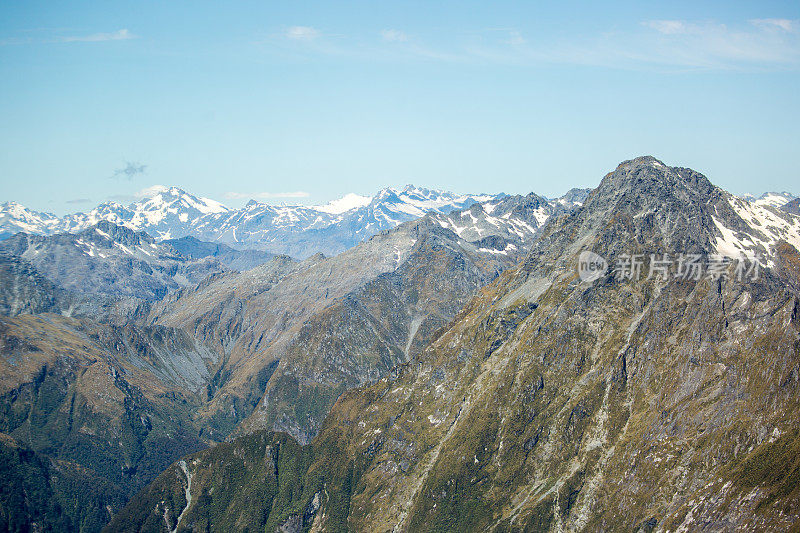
86, 419
551, 404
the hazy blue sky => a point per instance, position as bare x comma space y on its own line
238, 99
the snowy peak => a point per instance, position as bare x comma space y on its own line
504, 223
173, 200
15, 217
415, 202
771, 199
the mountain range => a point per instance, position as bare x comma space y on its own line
451, 370
550, 403
122, 328
299, 231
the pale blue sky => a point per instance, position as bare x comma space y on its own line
236, 99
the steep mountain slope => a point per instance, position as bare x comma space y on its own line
110, 261
515, 219
94, 411
792, 206
97, 411
551, 403
364, 334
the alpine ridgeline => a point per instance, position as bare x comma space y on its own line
635, 403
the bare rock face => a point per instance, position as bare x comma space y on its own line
550, 403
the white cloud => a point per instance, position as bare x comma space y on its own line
763, 43
667, 27
265, 195
394, 36
302, 33
119, 35
775, 24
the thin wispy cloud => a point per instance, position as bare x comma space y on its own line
667, 27
120, 35
756, 44
761, 43
265, 195
129, 171
302, 33
515, 38
773, 24
394, 36
79, 201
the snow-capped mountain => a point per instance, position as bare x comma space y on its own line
502, 224
296, 230
299, 231
756, 229
302, 231
772, 199
15, 218
165, 212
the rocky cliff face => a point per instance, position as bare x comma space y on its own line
551, 403
792, 207
361, 336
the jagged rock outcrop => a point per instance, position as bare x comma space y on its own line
792, 206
